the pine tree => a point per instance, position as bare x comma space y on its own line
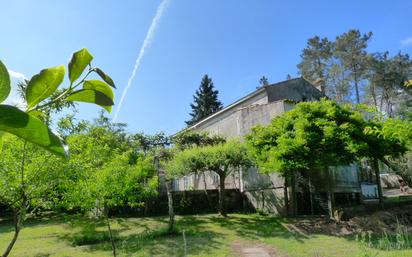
263, 81
350, 50
315, 58
205, 101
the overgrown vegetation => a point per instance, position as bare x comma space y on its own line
42, 96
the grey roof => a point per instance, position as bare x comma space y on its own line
296, 89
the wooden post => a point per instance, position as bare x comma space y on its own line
286, 197
222, 200
331, 199
378, 180
293, 191
310, 195
170, 207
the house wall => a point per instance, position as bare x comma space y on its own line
228, 122
197, 181
264, 191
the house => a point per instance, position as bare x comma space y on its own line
315, 194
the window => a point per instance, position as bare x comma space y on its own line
215, 178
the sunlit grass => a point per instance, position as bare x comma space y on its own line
207, 235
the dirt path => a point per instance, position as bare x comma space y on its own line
254, 249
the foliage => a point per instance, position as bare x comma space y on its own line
151, 142
222, 159
350, 50
401, 239
387, 87
41, 175
352, 74
205, 101
189, 138
315, 58
106, 169
40, 95
321, 134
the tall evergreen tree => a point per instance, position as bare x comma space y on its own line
350, 50
263, 81
205, 101
315, 58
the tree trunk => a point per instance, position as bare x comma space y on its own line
170, 207
293, 192
205, 190
285, 196
331, 197
373, 94
355, 78
19, 215
378, 180
110, 232
222, 200
17, 227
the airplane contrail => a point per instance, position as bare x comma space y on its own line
146, 43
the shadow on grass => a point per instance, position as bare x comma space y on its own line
154, 240
256, 227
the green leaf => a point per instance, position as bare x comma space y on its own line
25, 126
92, 96
78, 63
105, 77
44, 84
100, 86
4, 82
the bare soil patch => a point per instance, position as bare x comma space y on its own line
254, 249
377, 222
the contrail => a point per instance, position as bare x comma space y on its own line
146, 43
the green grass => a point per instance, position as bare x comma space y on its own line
207, 235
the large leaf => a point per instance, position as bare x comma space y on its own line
105, 77
4, 82
92, 96
44, 84
78, 63
30, 128
99, 86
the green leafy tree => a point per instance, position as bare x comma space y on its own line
221, 158
119, 182
105, 171
43, 95
151, 142
315, 135
189, 138
205, 101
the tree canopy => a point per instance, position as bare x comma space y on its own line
321, 134
223, 159
205, 101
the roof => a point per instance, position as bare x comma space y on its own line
278, 85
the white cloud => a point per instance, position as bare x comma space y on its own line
16, 75
407, 41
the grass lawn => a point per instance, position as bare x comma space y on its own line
207, 235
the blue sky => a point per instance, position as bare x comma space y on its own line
235, 42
